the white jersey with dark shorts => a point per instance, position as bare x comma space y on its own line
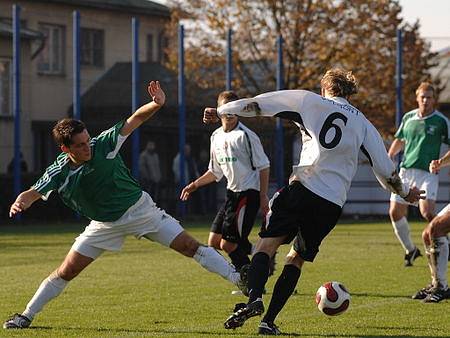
333, 132
239, 156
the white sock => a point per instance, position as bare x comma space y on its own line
50, 287
212, 261
441, 258
401, 230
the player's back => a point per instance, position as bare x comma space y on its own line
333, 132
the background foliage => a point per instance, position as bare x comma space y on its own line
358, 35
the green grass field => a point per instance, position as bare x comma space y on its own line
149, 291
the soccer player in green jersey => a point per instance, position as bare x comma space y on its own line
91, 178
420, 134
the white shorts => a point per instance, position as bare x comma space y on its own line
421, 179
143, 218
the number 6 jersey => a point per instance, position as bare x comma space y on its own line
333, 134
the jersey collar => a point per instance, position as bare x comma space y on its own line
426, 117
339, 100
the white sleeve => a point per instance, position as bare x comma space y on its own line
260, 159
382, 166
267, 104
214, 165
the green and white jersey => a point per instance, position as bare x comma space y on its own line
101, 189
423, 137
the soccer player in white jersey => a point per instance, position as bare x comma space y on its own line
308, 208
420, 134
236, 152
437, 247
91, 178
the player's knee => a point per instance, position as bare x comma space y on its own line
428, 215
228, 246
214, 241
68, 272
185, 244
437, 228
294, 259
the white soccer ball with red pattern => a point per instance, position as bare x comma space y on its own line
332, 298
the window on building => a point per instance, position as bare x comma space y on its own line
92, 47
5, 87
163, 44
150, 56
51, 58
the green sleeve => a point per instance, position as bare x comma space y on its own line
108, 140
52, 177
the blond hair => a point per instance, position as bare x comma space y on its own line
338, 82
425, 86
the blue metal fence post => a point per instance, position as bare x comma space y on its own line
399, 80
279, 146
135, 95
399, 85
76, 65
229, 61
181, 114
16, 100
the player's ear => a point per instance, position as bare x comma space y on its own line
64, 148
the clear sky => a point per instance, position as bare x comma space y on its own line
434, 18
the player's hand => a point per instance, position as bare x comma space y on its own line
435, 166
414, 195
18, 206
264, 204
157, 94
210, 116
187, 190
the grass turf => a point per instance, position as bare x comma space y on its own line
150, 291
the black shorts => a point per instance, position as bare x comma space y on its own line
236, 217
297, 212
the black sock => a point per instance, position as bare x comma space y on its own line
257, 275
284, 287
239, 258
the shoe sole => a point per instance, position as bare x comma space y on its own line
237, 320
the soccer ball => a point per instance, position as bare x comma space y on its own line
332, 298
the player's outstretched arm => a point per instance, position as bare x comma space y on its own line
436, 165
268, 104
146, 111
396, 146
24, 201
414, 195
207, 178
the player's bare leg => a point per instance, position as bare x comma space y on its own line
50, 288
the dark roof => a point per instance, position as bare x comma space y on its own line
133, 6
110, 97
25, 33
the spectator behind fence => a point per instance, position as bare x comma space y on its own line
150, 170
190, 166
